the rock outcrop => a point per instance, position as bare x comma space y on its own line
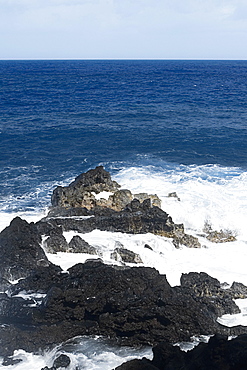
20, 250
218, 354
131, 305
222, 236
85, 192
81, 208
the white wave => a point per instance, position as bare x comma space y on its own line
237, 319
207, 193
88, 353
224, 261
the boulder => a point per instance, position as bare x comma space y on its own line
125, 255
56, 243
78, 245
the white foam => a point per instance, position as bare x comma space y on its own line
237, 319
102, 195
208, 192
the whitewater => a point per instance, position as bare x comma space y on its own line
210, 194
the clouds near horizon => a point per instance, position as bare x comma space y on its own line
214, 29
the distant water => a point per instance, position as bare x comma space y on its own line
157, 126
60, 118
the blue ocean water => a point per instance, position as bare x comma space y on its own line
60, 118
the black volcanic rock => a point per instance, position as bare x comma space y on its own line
133, 305
218, 354
208, 290
78, 245
79, 192
76, 207
136, 218
20, 250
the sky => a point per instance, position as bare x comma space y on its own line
129, 29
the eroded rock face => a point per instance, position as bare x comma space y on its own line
79, 192
84, 191
208, 290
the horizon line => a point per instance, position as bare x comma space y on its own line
202, 59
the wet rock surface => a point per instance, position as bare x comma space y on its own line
77, 207
133, 305
218, 354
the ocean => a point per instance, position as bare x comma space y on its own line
158, 126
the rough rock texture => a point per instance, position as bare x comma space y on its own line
208, 290
136, 218
218, 354
78, 207
83, 192
56, 243
222, 236
20, 250
133, 305
78, 245
125, 255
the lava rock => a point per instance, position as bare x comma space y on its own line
125, 255
218, 354
78, 245
56, 243
20, 250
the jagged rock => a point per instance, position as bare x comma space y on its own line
155, 200
173, 195
187, 240
78, 245
222, 236
209, 291
125, 255
218, 354
84, 190
20, 250
120, 199
136, 218
56, 243
79, 192
76, 208
238, 290
133, 305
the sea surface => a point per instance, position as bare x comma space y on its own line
158, 126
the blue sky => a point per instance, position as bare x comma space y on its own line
167, 29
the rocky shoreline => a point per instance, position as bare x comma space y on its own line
131, 305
